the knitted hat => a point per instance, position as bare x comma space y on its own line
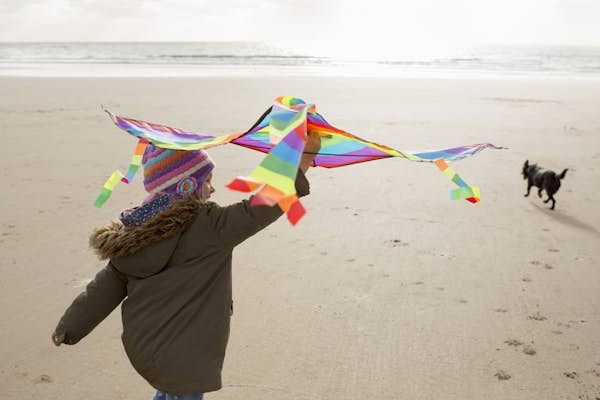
175, 171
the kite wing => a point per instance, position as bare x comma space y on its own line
340, 148
167, 137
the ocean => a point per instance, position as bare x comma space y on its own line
188, 59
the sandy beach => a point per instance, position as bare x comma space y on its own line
385, 290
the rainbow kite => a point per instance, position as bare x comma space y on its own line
281, 133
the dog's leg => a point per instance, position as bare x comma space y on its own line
540, 192
550, 197
528, 189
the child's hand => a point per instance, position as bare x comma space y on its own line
313, 143
54, 339
312, 147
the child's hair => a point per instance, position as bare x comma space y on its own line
175, 172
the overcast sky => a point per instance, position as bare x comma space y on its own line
344, 23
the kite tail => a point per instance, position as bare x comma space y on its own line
108, 188
136, 160
270, 196
117, 176
464, 191
275, 176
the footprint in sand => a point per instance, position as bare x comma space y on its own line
571, 375
546, 265
502, 375
500, 310
553, 250
43, 379
529, 350
10, 231
513, 342
594, 371
537, 317
463, 301
396, 243
526, 279
449, 256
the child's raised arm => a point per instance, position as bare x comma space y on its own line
235, 223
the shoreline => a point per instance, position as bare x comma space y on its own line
151, 71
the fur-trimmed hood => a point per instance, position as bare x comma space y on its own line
143, 250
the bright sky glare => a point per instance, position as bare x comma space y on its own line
343, 25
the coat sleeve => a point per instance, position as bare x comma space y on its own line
102, 295
239, 221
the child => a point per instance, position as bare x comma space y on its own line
170, 259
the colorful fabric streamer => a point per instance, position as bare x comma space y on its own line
117, 176
464, 191
279, 168
281, 132
136, 160
108, 188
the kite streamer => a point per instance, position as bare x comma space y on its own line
279, 168
470, 193
281, 132
117, 176
109, 186
136, 160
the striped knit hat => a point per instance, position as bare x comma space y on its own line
175, 171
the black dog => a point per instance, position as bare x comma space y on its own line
544, 180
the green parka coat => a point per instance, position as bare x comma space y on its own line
173, 275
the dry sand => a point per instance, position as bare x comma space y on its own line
385, 290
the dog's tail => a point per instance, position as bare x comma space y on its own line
524, 170
562, 174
